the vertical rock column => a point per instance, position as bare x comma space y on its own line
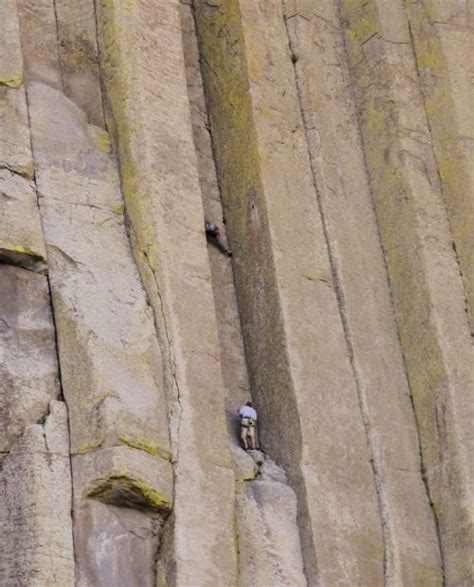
299, 365
36, 546
338, 166
111, 366
35, 478
109, 354
427, 290
442, 35
21, 239
269, 548
143, 71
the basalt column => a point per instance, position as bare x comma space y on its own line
442, 36
110, 360
295, 345
428, 292
266, 529
36, 544
148, 111
337, 162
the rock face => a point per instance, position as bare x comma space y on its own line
35, 510
331, 142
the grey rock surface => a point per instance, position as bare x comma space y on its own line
29, 376
36, 545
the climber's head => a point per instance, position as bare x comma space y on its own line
249, 404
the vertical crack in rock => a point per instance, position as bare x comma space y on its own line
290, 315
103, 90
391, 294
272, 560
371, 435
146, 91
464, 279
161, 326
428, 295
61, 396
60, 60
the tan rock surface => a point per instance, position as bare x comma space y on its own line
122, 497
331, 141
110, 360
338, 167
77, 38
269, 542
427, 290
232, 355
125, 477
146, 87
310, 421
21, 234
442, 34
28, 365
40, 41
35, 509
115, 545
11, 60
15, 151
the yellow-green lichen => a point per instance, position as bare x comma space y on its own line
446, 130
89, 446
148, 446
120, 489
15, 81
362, 24
102, 142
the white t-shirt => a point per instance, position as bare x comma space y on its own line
248, 412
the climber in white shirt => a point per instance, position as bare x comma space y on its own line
248, 420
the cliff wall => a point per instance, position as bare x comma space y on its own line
332, 143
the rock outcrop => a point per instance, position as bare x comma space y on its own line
331, 142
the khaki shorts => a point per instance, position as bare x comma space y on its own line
247, 428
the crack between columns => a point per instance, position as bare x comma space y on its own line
60, 62
441, 183
422, 469
370, 434
101, 76
168, 350
61, 396
301, 496
170, 372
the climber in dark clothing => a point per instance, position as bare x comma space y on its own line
213, 235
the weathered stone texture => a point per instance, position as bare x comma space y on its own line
443, 39
21, 234
267, 529
341, 159
126, 477
291, 323
337, 162
143, 69
15, 152
427, 291
11, 61
122, 495
232, 355
28, 364
39, 38
35, 507
115, 545
79, 56
110, 360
